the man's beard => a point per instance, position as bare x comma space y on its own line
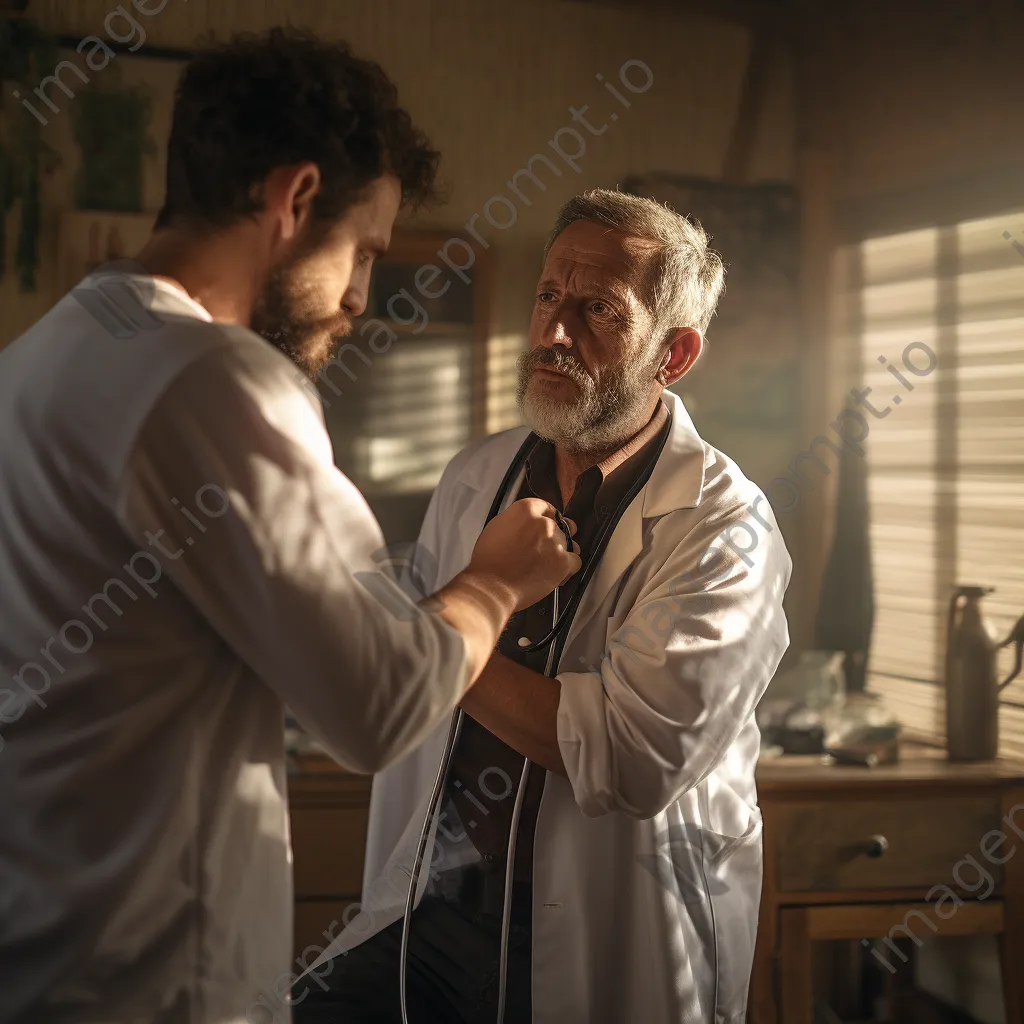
601, 417
283, 315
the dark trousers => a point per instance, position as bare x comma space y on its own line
452, 975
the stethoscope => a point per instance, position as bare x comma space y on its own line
555, 641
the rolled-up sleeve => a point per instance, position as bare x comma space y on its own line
680, 676
233, 476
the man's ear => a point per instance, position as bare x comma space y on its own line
288, 195
684, 349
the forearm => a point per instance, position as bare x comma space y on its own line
520, 707
477, 606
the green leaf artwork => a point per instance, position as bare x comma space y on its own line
111, 128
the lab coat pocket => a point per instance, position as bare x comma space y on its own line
733, 866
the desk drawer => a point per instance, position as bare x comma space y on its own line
824, 846
328, 845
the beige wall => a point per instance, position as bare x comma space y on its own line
491, 83
918, 91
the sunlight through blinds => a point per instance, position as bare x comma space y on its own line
404, 394
946, 451
406, 416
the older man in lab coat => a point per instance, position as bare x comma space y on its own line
632, 889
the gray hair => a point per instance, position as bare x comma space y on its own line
688, 276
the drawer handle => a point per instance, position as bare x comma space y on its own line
877, 846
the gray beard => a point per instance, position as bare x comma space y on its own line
600, 419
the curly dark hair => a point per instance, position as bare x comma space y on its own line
263, 101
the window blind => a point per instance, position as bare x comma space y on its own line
399, 424
405, 393
936, 316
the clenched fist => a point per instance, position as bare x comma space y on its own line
526, 549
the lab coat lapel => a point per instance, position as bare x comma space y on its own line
481, 476
624, 545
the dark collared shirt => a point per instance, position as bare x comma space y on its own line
482, 756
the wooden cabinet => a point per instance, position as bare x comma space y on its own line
329, 808
856, 853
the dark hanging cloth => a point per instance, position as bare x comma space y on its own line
846, 607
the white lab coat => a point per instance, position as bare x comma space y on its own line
647, 869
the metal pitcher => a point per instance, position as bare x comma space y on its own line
972, 685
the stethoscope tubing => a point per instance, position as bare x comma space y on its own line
453, 733
513, 833
453, 736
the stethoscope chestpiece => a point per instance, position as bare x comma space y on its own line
564, 527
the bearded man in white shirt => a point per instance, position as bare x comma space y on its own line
179, 556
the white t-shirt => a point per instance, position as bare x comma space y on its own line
178, 560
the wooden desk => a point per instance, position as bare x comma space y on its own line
329, 808
859, 853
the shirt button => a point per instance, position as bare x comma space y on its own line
524, 641
603, 512
488, 858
